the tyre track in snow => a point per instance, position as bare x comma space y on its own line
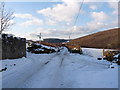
58, 77
49, 75
39, 71
94, 63
61, 79
24, 73
42, 76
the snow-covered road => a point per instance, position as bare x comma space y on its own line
59, 70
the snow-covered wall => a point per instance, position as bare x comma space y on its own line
97, 53
13, 47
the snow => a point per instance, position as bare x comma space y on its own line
97, 53
45, 46
9, 35
59, 70
48, 47
93, 52
13, 36
39, 49
0, 36
117, 55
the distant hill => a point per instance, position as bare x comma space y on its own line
104, 39
54, 40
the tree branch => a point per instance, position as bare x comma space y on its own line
5, 17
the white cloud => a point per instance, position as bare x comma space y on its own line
31, 19
45, 33
100, 21
114, 5
115, 12
11, 22
61, 0
23, 16
93, 7
99, 16
51, 22
65, 13
101, 0
61, 12
75, 31
34, 21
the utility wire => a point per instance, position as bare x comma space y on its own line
77, 17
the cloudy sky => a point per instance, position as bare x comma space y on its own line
57, 19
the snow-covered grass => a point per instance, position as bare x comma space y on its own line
59, 70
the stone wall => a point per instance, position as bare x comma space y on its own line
13, 47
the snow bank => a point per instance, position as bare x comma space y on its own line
64, 51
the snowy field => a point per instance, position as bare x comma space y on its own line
59, 70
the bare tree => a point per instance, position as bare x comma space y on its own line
5, 17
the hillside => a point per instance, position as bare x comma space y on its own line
54, 40
104, 39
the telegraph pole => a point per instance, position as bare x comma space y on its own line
39, 36
69, 38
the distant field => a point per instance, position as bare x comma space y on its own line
105, 39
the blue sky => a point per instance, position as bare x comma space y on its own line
56, 19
